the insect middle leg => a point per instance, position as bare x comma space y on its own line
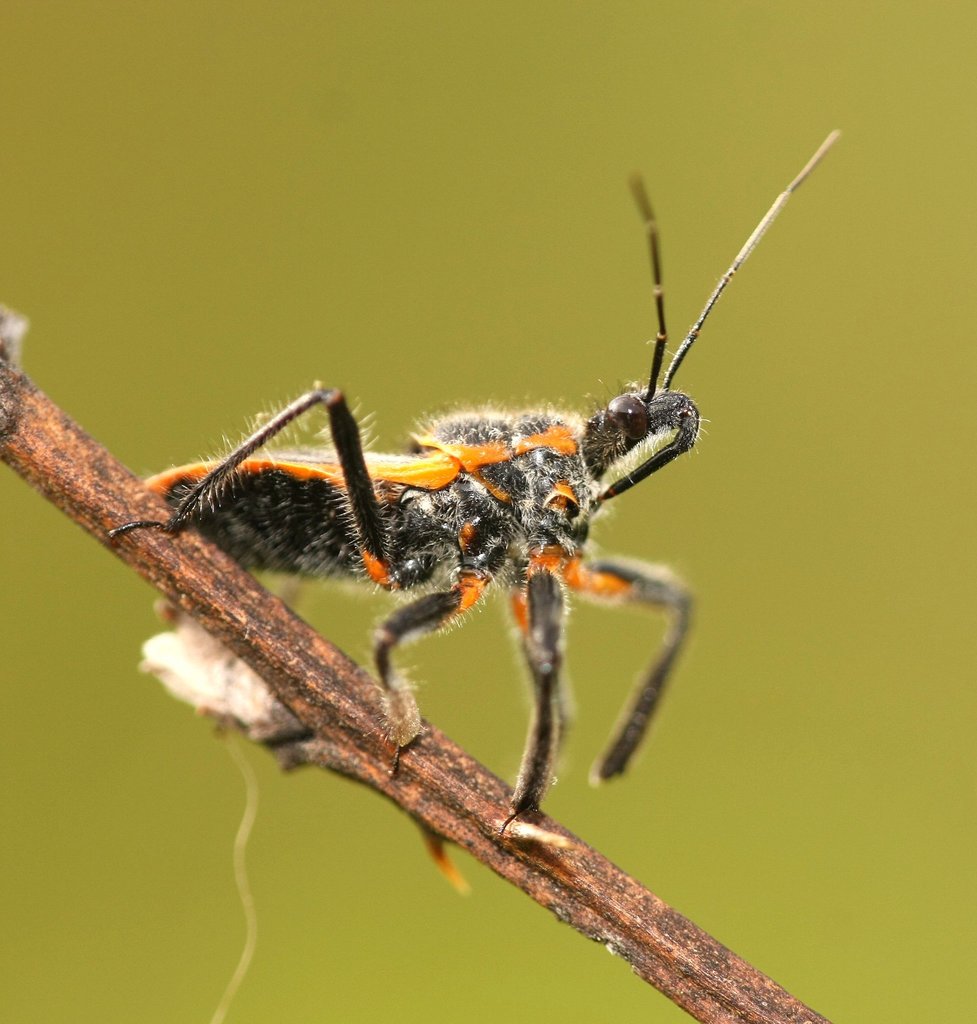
422, 616
364, 507
648, 585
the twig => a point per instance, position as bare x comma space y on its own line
438, 784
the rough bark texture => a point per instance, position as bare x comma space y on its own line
437, 783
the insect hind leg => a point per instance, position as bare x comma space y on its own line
366, 511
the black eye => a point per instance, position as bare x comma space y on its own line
629, 415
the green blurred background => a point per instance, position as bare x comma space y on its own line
207, 207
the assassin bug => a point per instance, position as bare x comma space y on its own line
479, 498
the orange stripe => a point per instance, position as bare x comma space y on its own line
472, 587
434, 471
430, 473
376, 569
299, 470
196, 471
599, 584
466, 536
470, 456
562, 495
163, 483
496, 492
558, 437
551, 559
520, 611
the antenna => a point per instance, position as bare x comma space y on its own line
651, 229
751, 243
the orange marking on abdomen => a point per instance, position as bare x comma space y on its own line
194, 472
163, 483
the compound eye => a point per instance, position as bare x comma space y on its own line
629, 415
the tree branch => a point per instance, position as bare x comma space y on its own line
437, 783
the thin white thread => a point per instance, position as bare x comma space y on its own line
241, 880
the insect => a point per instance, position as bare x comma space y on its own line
479, 500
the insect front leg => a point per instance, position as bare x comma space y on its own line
415, 619
644, 585
542, 641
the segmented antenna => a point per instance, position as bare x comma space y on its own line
654, 251
751, 243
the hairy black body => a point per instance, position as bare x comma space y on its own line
480, 499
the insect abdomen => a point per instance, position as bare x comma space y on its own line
273, 520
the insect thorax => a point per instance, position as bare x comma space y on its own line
525, 485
